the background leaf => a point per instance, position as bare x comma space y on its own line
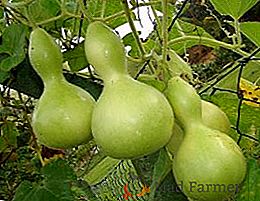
9, 133
251, 188
251, 72
58, 177
40, 10
251, 30
249, 122
234, 8
76, 58
12, 47
162, 167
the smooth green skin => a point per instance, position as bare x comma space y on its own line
130, 119
105, 51
62, 117
212, 116
206, 156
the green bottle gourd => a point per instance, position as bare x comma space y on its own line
208, 163
212, 116
130, 119
62, 116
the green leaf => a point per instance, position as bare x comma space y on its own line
113, 7
12, 48
98, 7
234, 8
177, 65
56, 185
29, 192
251, 187
249, 116
41, 10
251, 72
161, 168
251, 30
4, 75
3, 145
130, 41
10, 133
2, 20
76, 58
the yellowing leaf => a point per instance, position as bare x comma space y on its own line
250, 91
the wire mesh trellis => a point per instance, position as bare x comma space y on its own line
241, 65
122, 183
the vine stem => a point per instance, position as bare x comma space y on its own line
132, 26
103, 8
238, 32
135, 34
164, 34
209, 41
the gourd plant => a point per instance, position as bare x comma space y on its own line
130, 119
62, 116
206, 157
175, 31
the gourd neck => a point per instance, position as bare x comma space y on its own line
185, 102
49, 73
105, 51
193, 128
53, 80
116, 78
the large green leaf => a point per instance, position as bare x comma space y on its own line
28, 192
9, 131
251, 30
56, 185
96, 8
161, 168
76, 58
40, 10
234, 8
251, 72
3, 75
12, 47
251, 187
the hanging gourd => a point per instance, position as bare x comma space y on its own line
208, 163
130, 119
62, 116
